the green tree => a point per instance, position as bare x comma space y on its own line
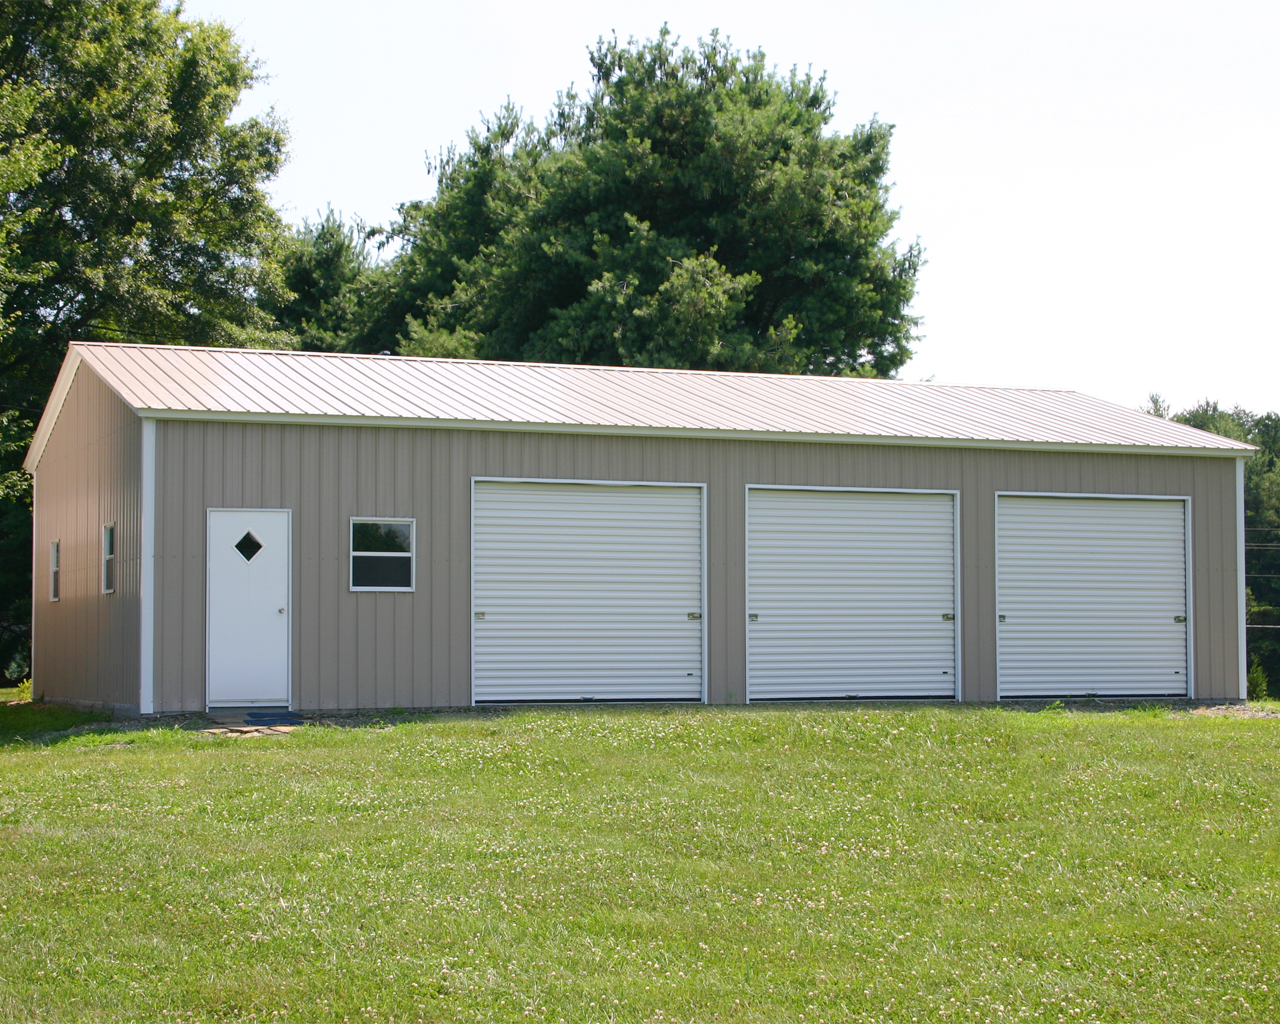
1262, 522
24, 157
692, 211
134, 209
154, 225
326, 267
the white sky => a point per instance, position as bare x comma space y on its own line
1095, 183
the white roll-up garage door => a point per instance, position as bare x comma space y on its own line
850, 594
1091, 597
586, 591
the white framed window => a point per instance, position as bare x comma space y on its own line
382, 554
109, 558
55, 570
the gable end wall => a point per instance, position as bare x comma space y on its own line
85, 647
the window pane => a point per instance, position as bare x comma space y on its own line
380, 537
108, 540
381, 572
248, 546
109, 575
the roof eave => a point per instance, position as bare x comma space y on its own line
691, 432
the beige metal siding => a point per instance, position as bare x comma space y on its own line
385, 650
86, 646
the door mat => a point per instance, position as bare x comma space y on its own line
273, 718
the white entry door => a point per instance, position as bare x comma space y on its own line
248, 627
586, 592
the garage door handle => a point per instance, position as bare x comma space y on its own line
281, 611
695, 615
1002, 618
1179, 618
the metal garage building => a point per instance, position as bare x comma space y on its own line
227, 527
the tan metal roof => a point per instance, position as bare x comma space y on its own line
170, 381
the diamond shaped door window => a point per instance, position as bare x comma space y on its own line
248, 546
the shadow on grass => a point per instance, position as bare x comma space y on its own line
29, 721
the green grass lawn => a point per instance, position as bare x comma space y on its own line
20, 718
823, 865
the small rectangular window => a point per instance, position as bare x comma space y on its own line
382, 554
109, 558
55, 571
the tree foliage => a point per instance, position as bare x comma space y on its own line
692, 211
154, 224
131, 208
326, 267
24, 157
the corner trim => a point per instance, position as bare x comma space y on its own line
1242, 605
147, 585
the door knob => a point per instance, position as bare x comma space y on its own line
281, 611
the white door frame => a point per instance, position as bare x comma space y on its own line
471, 554
1186, 540
956, 564
288, 702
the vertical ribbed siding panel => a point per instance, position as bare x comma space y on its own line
850, 594
1091, 591
303, 449
202, 477
404, 613
369, 498
440, 530
169, 549
587, 592
331, 569
464, 464
726, 615
349, 612
978, 577
1218, 661
85, 646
